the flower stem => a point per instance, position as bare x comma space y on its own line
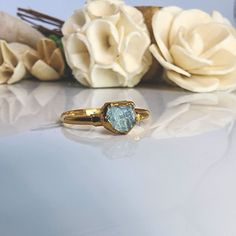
34, 17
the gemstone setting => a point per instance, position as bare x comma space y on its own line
121, 117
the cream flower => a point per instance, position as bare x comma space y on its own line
47, 63
12, 68
197, 50
106, 44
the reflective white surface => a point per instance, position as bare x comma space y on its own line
174, 175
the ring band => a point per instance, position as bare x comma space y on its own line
118, 117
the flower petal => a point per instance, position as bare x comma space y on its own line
5, 74
77, 52
190, 41
161, 24
223, 62
12, 69
168, 66
221, 38
19, 73
57, 61
45, 49
217, 17
223, 58
78, 21
83, 78
188, 19
131, 19
182, 41
43, 71
186, 60
102, 76
47, 63
7, 54
104, 9
195, 83
133, 14
30, 59
134, 79
228, 82
196, 43
103, 39
131, 58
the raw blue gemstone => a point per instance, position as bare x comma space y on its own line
122, 118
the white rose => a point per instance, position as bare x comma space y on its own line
197, 50
106, 44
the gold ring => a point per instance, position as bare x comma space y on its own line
117, 117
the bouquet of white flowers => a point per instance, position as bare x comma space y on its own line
110, 44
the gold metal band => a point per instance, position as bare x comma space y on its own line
118, 124
141, 114
93, 116
83, 117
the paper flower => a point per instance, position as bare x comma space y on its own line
106, 44
18, 61
47, 62
24, 50
12, 68
197, 50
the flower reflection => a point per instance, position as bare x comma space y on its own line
182, 116
195, 114
29, 105
180, 182
32, 105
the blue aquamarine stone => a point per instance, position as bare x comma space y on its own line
122, 118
